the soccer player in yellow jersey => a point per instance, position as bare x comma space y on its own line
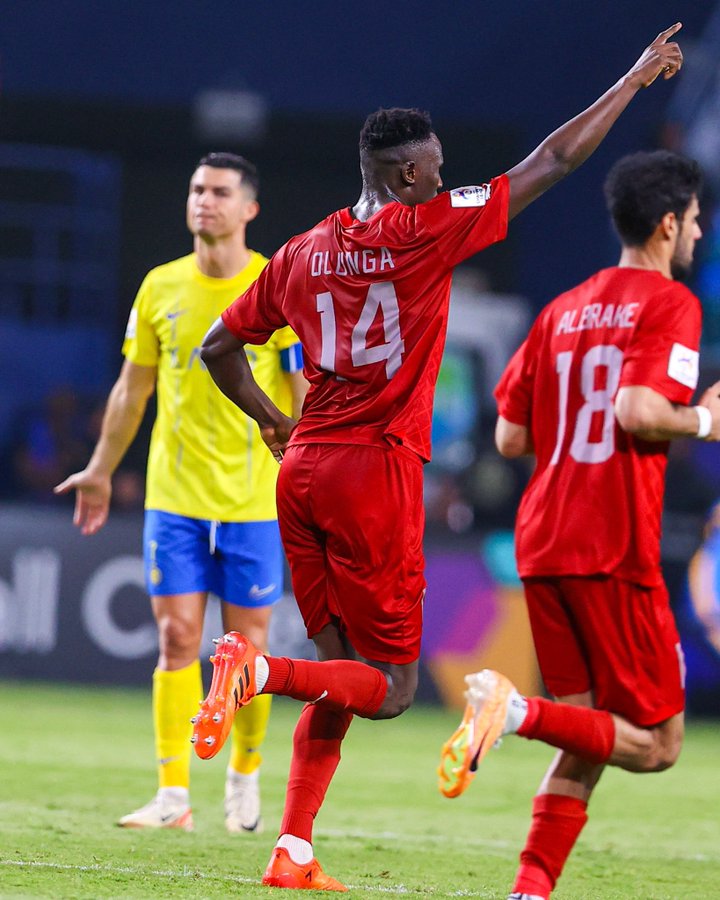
210, 518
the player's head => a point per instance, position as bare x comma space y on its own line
655, 195
222, 197
400, 151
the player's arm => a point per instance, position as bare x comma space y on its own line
572, 143
123, 415
513, 440
649, 415
226, 360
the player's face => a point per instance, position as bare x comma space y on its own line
218, 204
428, 161
688, 234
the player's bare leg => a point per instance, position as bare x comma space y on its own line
177, 687
589, 739
402, 679
559, 814
647, 749
242, 786
495, 708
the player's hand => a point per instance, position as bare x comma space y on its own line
92, 499
663, 57
277, 436
711, 399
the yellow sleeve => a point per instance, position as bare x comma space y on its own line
284, 338
141, 345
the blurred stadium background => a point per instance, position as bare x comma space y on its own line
105, 109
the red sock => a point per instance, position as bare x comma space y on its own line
340, 683
316, 754
556, 823
588, 733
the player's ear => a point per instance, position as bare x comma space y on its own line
251, 210
408, 172
669, 225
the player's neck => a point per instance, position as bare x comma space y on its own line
222, 258
649, 256
371, 200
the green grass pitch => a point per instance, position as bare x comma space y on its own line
75, 759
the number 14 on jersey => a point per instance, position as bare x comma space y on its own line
380, 297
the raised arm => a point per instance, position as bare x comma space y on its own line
565, 149
224, 355
123, 415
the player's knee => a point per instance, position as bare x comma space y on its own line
396, 702
667, 755
662, 755
177, 638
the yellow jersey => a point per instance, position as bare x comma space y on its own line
207, 459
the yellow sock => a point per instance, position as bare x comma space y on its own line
248, 733
176, 696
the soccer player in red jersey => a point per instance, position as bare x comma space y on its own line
367, 292
601, 385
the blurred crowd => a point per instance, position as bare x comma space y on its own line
46, 443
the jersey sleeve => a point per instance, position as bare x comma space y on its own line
514, 390
255, 315
141, 345
663, 353
465, 220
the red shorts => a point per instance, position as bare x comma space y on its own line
352, 520
611, 637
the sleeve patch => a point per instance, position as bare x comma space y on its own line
684, 365
472, 195
131, 329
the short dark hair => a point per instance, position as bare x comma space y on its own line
643, 187
394, 127
246, 169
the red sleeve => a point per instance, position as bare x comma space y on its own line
663, 353
514, 390
257, 314
468, 219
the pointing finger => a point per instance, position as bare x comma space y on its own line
665, 36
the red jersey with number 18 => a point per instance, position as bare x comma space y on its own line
369, 302
594, 503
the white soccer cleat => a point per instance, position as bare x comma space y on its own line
242, 803
517, 896
160, 812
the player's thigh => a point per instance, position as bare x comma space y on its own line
302, 539
177, 554
632, 647
369, 507
559, 645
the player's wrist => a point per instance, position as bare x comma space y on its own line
705, 422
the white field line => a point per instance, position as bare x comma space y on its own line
195, 874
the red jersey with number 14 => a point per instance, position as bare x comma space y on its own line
369, 302
594, 503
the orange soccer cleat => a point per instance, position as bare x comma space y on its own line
282, 872
482, 725
233, 686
